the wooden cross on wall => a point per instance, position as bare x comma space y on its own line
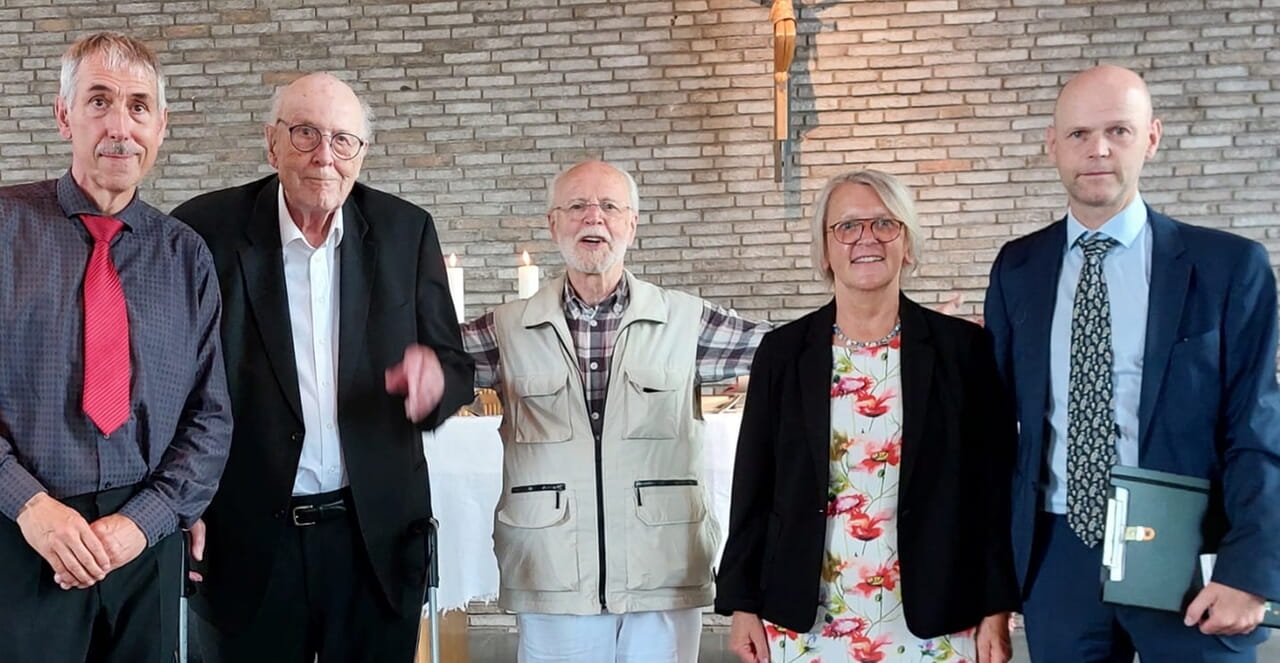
783, 17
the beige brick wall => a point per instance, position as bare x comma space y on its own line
481, 101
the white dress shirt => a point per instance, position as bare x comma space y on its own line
311, 279
1127, 269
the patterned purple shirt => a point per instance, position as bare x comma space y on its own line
175, 442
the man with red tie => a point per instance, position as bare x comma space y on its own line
114, 417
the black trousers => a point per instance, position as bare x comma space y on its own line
322, 604
131, 616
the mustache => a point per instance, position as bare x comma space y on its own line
118, 148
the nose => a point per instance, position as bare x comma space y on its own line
323, 154
117, 122
1099, 146
593, 214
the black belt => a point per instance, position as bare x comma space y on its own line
307, 510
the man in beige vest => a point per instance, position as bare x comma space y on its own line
604, 532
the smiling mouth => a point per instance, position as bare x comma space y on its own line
595, 241
867, 259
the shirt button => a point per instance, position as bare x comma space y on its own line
593, 323
595, 415
329, 426
594, 365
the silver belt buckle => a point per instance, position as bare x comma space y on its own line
294, 514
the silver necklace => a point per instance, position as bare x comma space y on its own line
860, 345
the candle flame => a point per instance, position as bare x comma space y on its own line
453, 260
526, 258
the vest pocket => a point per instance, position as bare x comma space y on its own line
671, 541
542, 408
652, 403
534, 540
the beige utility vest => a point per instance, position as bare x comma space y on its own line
624, 525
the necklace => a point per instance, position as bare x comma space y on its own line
859, 345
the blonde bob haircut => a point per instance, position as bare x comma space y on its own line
896, 198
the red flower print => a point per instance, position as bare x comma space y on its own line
775, 633
865, 650
889, 451
875, 579
846, 503
869, 405
849, 627
850, 384
865, 527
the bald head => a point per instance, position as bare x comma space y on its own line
304, 90
1102, 134
1105, 84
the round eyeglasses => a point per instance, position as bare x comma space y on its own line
577, 209
850, 231
306, 138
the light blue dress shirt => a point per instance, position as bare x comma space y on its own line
1127, 269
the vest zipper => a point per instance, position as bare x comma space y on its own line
604, 607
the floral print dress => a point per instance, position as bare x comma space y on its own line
860, 618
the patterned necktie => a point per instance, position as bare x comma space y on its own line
106, 331
1091, 411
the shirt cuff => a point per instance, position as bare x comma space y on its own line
148, 511
17, 487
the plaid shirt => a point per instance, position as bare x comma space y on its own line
726, 344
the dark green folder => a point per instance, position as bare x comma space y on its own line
1151, 551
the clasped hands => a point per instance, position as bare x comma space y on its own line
81, 553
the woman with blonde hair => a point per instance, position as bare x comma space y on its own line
870, 513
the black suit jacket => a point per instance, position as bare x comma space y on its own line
392, 292
953, 501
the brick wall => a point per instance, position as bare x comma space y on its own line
481, 101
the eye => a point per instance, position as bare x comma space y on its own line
610, 206
139, 108
305, 131
98, 102
846, 226
577, 206
345, 141
883, 224
1121, 131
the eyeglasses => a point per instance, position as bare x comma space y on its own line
577, 209
850, 231
306, 138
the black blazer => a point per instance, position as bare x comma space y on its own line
953, 502
392, 292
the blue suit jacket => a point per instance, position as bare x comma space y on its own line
1209, 405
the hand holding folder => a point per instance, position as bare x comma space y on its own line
1153, 545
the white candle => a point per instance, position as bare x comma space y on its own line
456, 290
527, 278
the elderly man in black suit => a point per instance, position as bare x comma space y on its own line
341, 346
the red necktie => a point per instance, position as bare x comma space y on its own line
106, 331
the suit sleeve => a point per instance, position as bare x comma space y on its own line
742, 563
995, 432
996, 320
438, 329
1249, 554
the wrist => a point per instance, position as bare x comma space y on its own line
33, 501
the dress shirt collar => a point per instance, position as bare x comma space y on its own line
74, 202
616, 302
290, 232
1124, 227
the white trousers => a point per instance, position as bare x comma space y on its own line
660, 636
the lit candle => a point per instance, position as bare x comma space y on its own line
526, 278
456, 291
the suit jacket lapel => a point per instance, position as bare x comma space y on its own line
1170, 279
263, 267
358, 257
813, 370
917, 375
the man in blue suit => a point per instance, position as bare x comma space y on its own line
1130, 338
